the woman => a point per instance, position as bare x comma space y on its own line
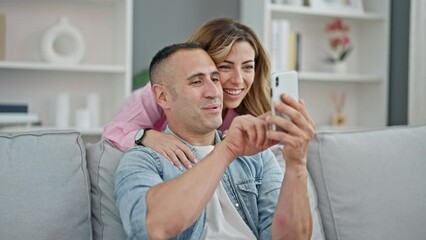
244, 71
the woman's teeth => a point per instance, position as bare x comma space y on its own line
233, 92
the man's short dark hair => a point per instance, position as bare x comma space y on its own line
165, 53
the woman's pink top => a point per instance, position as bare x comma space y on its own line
141, 111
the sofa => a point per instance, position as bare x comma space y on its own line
368, 184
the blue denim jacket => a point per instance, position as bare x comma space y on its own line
252, 183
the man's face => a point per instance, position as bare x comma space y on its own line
196, 96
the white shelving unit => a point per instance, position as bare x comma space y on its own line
366, 83
106, 26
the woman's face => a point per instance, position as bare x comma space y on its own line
237, 74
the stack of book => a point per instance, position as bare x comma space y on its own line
285, 47
15, 115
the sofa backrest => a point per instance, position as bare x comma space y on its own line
371, 184
103, 160
43, 181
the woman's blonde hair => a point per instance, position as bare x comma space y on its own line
217, 37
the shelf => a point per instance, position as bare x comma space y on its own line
99, 68
366, 82
307, 11
339, 77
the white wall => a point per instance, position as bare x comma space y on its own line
158, 23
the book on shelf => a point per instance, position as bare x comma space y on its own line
285, 47
16, 114
13, 108
294, 51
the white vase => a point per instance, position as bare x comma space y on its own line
340, 67
63, 43
294, 2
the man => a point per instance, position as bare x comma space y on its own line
237, 190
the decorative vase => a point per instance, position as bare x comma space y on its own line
294, 2
63, 43
340, 67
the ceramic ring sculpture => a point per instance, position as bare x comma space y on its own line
63, 43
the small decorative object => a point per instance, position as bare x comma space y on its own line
62, 110
339, 44
294, 2
277, 1
82, 118
93, 106
63, 43
338, 119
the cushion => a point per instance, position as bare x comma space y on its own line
44, 186
103, 160
317, 229
371, 184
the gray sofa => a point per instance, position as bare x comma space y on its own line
364, 185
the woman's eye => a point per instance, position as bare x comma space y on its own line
249, 67
224, 67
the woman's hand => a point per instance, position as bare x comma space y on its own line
170, 147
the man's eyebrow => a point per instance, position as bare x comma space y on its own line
195, 75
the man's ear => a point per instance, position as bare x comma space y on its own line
161, 95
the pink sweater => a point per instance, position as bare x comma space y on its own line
141, 111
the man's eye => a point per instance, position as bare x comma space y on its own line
215, 79
195, 82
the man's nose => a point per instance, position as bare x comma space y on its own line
213, 90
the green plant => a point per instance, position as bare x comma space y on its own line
140, 79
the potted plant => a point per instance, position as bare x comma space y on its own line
340, 45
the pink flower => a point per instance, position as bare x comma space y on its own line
339, 41
337, 25
345, 40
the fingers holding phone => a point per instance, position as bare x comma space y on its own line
290, 120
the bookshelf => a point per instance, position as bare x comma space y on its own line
366, 80
105, 70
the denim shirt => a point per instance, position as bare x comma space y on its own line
252, 183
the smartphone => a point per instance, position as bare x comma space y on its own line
283, 82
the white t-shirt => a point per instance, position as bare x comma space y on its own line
222, 219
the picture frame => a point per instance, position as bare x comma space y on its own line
338, 5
